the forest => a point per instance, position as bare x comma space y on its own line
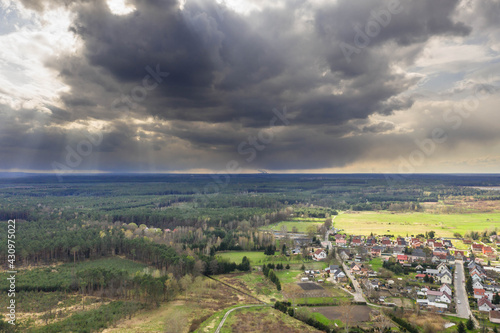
174, 225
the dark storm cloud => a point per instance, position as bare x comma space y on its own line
228, 71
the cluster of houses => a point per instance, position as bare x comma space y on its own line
484, 288
484, 249
435, 299
441, 274
336, 273
411, 249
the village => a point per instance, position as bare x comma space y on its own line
413, 272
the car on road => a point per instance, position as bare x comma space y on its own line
458, 302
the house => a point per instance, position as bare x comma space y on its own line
445, 278
304, 279
296, 250
331, 268
488, 250
485, 305
433, 295
319, 254
477, 247
386, 241
443, 268
372, 284
355, 267
477, 285
402, 258
420, 276
479, 293
339, 275
417, 255
476, 277
489, 294
371, 241
398, 250
401, 241
344, 255
356, 240
375, 252
495, 317
438, 245
445, 288
430, 243
445, 298
341, 242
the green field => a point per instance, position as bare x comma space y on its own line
376, 263
259, 258
415, 223
300, 223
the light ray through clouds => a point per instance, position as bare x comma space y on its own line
63, 64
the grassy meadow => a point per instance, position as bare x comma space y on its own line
444, 225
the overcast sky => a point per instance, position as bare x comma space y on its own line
283, 86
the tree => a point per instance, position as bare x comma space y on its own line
496, 299
461, 327
328, 223
468, 285
303, 268
431, 234
245, 264
287, 266
470, 324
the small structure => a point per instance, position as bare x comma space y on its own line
495, 317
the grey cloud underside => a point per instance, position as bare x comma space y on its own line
230, 71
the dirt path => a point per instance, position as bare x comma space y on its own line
229, 312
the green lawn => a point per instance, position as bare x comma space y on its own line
322, 319
376, 263
402, 224
259, 258
288, 276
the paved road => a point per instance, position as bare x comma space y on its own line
229, 312
358, 295
463, 310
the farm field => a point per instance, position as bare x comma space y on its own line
444, 225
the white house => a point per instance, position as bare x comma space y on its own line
446, 289
445, 298
445, 278
442, 268
485, 305
477, 285
319, 254
476, 277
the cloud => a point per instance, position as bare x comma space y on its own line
229, 67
